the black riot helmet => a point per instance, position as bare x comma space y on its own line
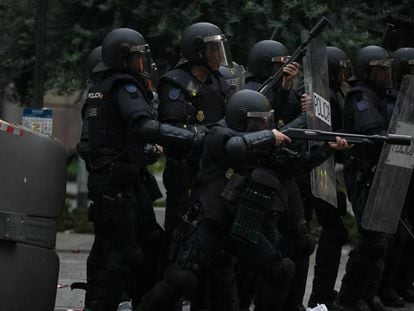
234, 76
205, 44
339, 66
93, 59
249, 111
403, 63
374, 65
125, 49
266, 57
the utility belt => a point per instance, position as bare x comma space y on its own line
103, 206
120, 173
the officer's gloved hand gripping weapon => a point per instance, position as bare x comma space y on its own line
296, 56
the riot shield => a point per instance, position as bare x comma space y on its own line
32, 195
393, 174
315, 71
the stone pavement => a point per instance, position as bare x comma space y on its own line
73, 251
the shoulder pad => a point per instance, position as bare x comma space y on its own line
131, 88
182, 80
251, 85
362, 105
174, 93
224, 86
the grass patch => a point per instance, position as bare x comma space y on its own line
157, 167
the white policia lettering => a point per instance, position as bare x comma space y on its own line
95, 95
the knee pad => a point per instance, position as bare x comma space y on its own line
373, 248
181, 279
153, 237
279, 271
190, 258
133, 257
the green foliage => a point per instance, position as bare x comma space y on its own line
75, 27
350, 225
72, 169
75, 219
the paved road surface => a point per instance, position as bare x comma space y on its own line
73, 250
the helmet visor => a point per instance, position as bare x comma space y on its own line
259, 121
278, 62
142, 60
411, 67
217, 51
234, 84
143, 64
381, 73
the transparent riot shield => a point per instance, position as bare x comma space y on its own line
315, 71
393, 174
32, 195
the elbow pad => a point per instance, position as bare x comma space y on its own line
152, 131
251, 145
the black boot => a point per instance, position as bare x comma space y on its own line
407, 294
357, 305
376, 304
327, 299
390, 298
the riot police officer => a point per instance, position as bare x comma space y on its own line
93, 59
231, 150
236, 188
398, 275
120, 120
334, 234
192, 96
264, 59
365, 113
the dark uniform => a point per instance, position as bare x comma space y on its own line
232, 193
120, 121
188, 103
365, 113
194, 102
265, 58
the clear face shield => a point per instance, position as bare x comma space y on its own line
141, 62
217, 52
259, 121
381, 73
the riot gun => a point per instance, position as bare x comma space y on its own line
296, 56
309, 134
